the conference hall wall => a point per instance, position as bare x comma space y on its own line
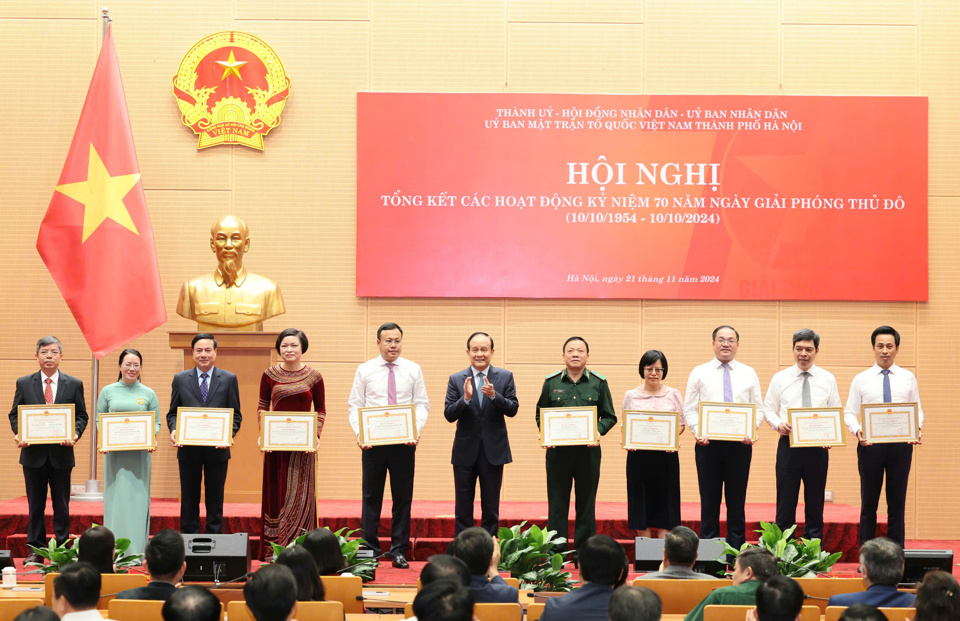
298, 197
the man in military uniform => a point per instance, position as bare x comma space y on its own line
575, 386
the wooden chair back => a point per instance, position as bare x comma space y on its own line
739, 613
10, 608
135, 610
893, 614
681, 596
534, 611
497, 612
408, 610
514, 582
824, 588
110, 585
346, 590
306, 611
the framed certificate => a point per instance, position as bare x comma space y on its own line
388, 424
205, 426
728, 421
651, 431
816, 426
50, 423
890, 422
126, 431
568, 426
288, 431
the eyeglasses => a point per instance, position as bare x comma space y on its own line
727, 341
653, 370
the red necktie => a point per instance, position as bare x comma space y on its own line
48, 392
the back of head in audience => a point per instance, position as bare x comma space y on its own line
76, 588
441, 566
444, 600
680, 546
271, 593
862, 612
324, 546
191, 603
779, 599
37, 613
474, 546
603, 560
165, 556
97, 546
300, 562
754, 563
881, 561
938, 598
630, 603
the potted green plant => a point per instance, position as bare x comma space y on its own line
58, 557
797, 558
365, 568
529, 556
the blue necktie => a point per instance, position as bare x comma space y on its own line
887, 397
479, 386
204, 387
727, 384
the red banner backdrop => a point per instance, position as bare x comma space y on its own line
625, 196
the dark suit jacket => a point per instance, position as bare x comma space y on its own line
496, 591
475, 423
224, 392
879, 595
588, 603
30, 392
157, 591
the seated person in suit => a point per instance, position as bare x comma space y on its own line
444, 600
753, 567
630, 603
324, 546
680, 548
97, 546
271, 593
76, 592
191, 603
603, 568
165, 558
863, 612
778, 599
938, 597
475, 547
440, 566
881, 563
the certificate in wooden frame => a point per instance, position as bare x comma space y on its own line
821, 419
25, 412
380, 425
187, 417
552, 418
646, 418
111, 420
292, 421
722, 429
909, 412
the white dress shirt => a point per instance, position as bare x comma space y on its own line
53, 384
706, 384
786, 391
83, 615
370, 389
867, 388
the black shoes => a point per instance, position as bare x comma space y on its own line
400, 562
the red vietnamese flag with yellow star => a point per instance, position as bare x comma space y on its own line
96, 237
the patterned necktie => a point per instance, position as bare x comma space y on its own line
48, 392
391, 385
887, 397
727, 384
479, 386
806, 400
204, 387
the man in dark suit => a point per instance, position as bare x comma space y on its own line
165, 558
480, 552
881, 563
205, 386
478, 399
48, 464
603, 568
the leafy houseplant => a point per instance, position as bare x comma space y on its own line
363, 567
62, 555
797, 558
528, 555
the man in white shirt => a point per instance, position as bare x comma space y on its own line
388, 379
804, 385
884, 382
76, 592
723, 467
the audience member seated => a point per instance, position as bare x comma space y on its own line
191, 603
300, 562
938, 598
475, 547
603, 567
37, 613
98, 547
441, 566
324, 547
630, 603
778, 599
444, 600
271, 593
862, 612
680, 548
76, 592
881, 563
753, 567
165, 559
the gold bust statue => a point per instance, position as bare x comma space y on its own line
231, 298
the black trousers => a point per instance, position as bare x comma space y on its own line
723, 470
577, 466
796, 465
465, 486
36, 481
400, 461
873, 461
214, 477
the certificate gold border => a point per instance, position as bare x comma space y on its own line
150, 422
752, 422
24, 411
654, 414
865, 414
312, 431
406, 409
225, 413
546, 413
796, 414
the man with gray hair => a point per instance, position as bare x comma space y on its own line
48, 464
630, 603
680, 548
881, 563
804, 385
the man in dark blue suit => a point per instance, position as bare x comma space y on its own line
480, 552
478, 399
165, 558
48, 464
881, 563
603, 568
204, 386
